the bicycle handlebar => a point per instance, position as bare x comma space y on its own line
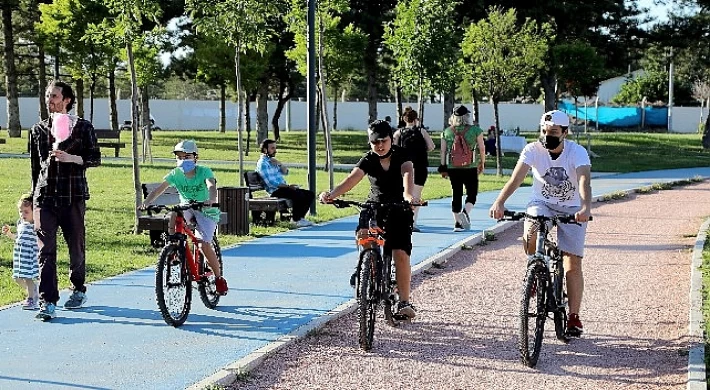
342, 203
180, 207
509, 215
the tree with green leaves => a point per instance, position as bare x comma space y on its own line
128, 18
652, 85
339, 50
243, 25
425, 45
507, 56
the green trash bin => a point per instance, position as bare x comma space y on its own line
233, 202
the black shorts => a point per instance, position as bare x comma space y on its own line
397, 224
420, 174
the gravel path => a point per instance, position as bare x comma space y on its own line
635, 313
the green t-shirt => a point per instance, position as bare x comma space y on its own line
470, 136
194, 188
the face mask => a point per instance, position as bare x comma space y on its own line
186, 165
550, 142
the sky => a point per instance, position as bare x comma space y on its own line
656, 11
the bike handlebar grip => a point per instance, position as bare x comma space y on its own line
508, 213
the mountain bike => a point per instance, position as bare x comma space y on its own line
544, 291
179, 265
376, 280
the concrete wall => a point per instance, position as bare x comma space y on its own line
204, 115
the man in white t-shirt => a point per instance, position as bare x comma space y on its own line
561, 173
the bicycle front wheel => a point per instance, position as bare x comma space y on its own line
207, 286
173, 289
368, 299
560, 316
533, 314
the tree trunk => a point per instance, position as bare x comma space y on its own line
79, 97
324, 103
112, 108
262, 112
335, 110
706, 133
146, 128
371, 71
239, 117
448, 106
134, 133
476, 106
14, 129
284, 97
247, 121
549, 86
42, 76
223, 108
420, 105
92, 89
398, 102
499, 166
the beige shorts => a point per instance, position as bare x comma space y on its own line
204, 226
570, 236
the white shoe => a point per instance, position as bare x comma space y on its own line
463, 219
303, 223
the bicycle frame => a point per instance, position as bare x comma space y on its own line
192, 253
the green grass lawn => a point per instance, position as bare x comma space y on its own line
112, 248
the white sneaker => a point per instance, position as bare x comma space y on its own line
462, 218
303, 223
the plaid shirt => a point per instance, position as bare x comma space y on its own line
58, 184
270, 172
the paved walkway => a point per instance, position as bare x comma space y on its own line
279, 284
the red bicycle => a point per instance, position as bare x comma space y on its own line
180, 264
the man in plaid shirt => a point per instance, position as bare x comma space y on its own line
272, 171
60, 192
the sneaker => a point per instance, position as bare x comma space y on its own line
405, 309
303, 223
30, 304
415, 229
76, 300
574, 326
458, 227
221, 286
463, 219
46, 311
353, 279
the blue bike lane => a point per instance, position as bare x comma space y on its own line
280, 286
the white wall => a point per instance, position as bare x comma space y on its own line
204, 115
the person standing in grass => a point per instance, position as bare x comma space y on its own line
25, 265
61, 148
458, 163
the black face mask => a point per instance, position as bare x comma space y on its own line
389, 153
550, 142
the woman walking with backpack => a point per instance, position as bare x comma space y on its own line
459, 164
417, 142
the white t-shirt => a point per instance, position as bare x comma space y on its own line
555, 181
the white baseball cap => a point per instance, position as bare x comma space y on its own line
187, 146
554, 117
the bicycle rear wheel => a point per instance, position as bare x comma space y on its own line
207, 286
368, 299
173, 289
533, 314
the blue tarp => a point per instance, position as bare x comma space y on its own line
618, 116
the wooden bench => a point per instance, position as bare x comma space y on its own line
112, 139
157, 224
263, 207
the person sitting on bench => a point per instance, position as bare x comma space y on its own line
272, 172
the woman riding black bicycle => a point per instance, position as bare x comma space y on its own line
391, 176
561, 172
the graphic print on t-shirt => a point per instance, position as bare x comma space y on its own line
557, 184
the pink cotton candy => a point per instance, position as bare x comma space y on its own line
61, 127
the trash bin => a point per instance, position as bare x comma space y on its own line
233, 201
